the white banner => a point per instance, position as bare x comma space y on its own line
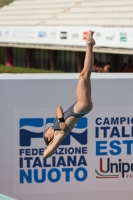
74, 36
94, 159
98, 152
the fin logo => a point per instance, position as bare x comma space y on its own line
79, 133
34, 127
30, 128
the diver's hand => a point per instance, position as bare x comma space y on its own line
64, 127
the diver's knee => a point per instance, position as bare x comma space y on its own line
89, 107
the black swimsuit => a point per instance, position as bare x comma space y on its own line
67, 113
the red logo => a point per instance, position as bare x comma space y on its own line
104, 173
84, 35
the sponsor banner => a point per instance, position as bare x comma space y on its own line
84, 35
97, 153
53, 35
123, 36
67, 35
74, 35
67, 167
63, 35
42, 34
112, 147
96, 158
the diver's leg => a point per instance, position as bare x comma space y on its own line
83, 91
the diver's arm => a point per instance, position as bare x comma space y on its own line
53, 145
59, 114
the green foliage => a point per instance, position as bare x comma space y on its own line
5, 69
5, 2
